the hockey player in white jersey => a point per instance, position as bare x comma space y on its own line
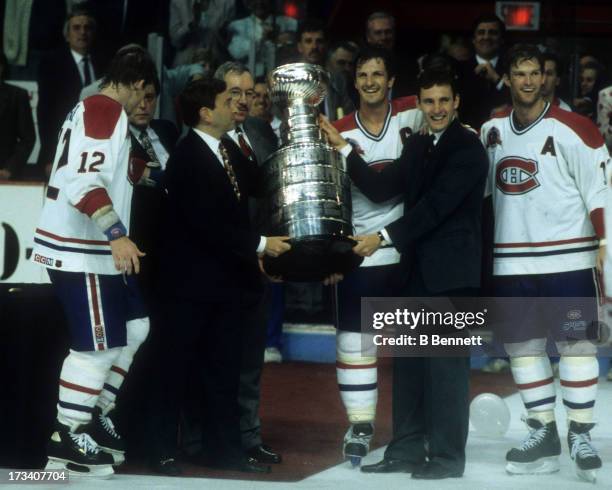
83, 243
547, 180
377, 131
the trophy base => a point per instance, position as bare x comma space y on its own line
313, 258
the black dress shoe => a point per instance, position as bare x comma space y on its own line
166, 466
248, 465
390, 465
264, 455
435, 471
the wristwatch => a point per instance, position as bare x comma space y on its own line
383, 241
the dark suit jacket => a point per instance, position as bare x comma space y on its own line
147, 212
478, 95
262, 137
443, 186
263, 142
59, 86
209, 247
17, 136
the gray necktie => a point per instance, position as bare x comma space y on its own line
146, 143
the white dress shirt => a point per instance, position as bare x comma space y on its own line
78, 59
213, 144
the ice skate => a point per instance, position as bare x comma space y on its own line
582, 451
357, 442
75, 451
103, 432
539, 452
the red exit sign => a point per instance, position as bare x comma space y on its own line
519, 16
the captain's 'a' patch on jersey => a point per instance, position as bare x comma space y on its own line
547, 182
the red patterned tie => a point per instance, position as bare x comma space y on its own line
228, 168
244, 146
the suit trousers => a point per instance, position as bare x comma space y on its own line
431, 400
199, 339
252, 345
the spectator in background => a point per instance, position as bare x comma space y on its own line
481, 85
457, 47
198, 24
604, 123
17, 134
261, 106
552, 79
312, 48
62, 75
380, 32
253, 38
591, 80
341, 58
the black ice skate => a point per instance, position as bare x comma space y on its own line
539, 452
582, 451
103, 432
357, 442
75, 451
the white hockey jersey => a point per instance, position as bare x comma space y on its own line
403, 119
90, 170
548, 186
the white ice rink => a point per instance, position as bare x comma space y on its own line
485, 467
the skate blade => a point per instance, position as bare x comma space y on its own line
539, 467
118, 456
101, 472
587, 475
355, 461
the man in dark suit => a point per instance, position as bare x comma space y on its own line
256, 141
441, 176
209, 272
17, 135
152, 141
481, 86
61, 76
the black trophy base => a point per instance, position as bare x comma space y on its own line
313, 258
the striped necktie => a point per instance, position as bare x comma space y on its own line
229, 169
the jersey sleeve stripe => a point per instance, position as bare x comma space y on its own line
94, 200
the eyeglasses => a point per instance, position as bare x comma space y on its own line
236, 94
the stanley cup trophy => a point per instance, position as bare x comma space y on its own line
307, 189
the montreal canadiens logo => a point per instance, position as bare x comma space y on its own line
515, 175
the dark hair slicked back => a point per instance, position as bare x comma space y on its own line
130, 65
522, 52
438, 75
368, 53
199, 93
488, 18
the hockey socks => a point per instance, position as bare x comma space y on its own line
137, 331
534, 379
579, 386
81, 381
357, 376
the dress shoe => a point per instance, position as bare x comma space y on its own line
435, 471
167, 467
390, 465
247, 465
263, 454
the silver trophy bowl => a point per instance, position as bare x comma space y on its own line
308, 192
